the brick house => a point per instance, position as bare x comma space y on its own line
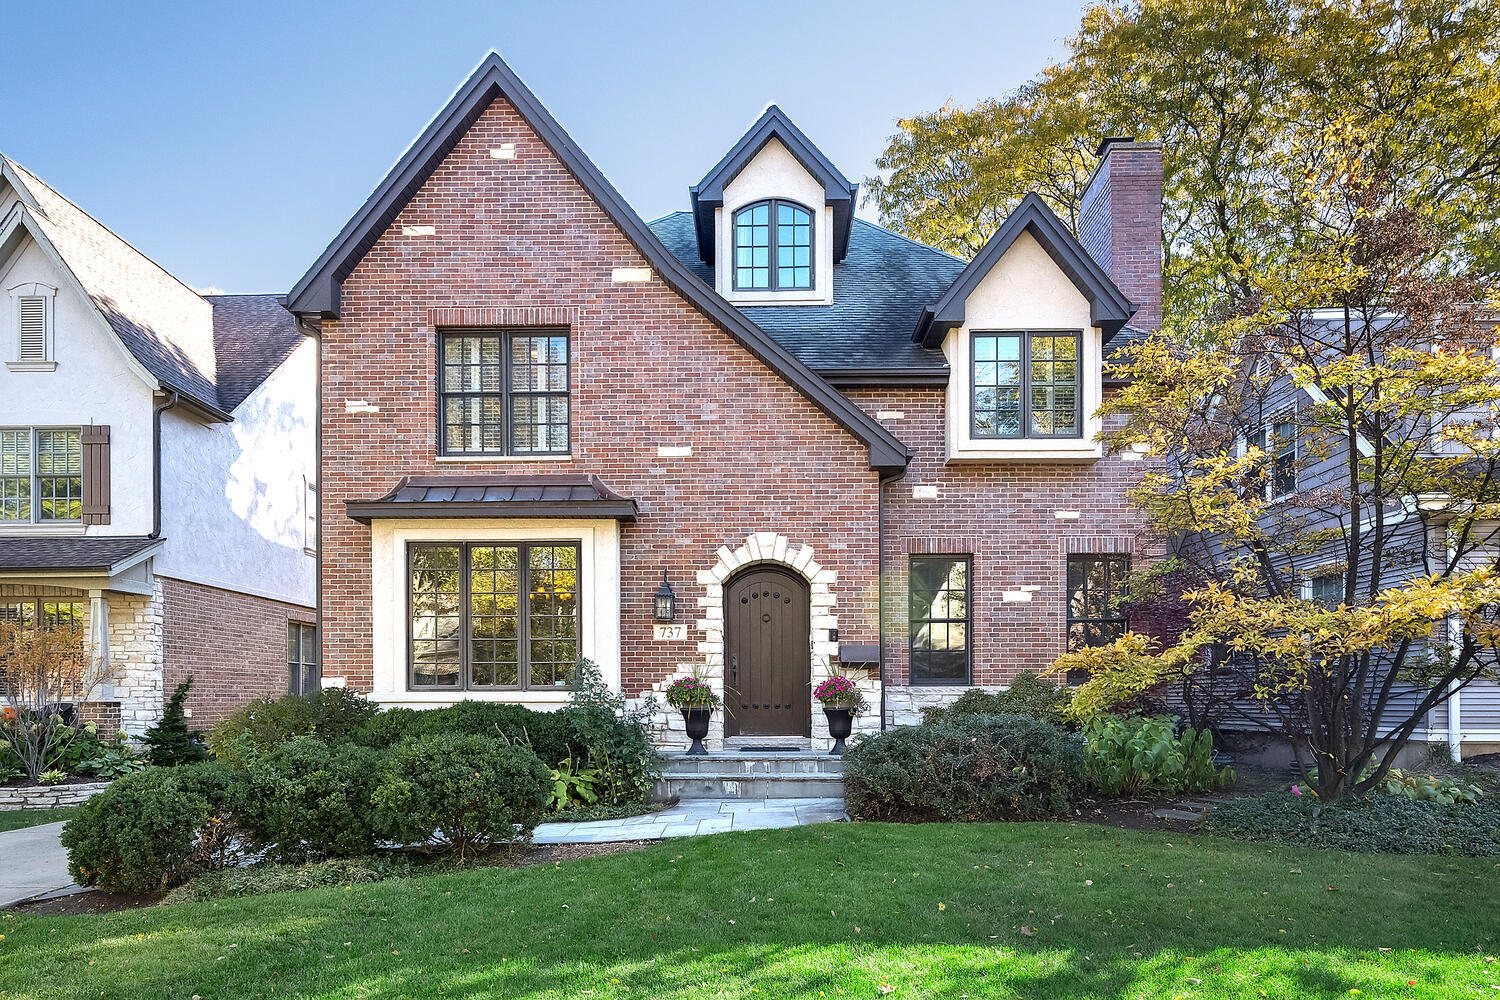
841, 451
157, 467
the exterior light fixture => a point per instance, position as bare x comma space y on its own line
666, 601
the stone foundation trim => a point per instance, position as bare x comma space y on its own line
49, 796
1089, 545
503, 316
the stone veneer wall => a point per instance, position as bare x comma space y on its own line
136, 657
48, 796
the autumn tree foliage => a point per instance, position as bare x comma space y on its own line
1337, 424
40, 668
1226, 88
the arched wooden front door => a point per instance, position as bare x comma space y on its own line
767, 659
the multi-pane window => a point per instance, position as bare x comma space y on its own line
1327, 589
504, 392
939, 594
304, 675
41, 474
1026, 385
775, 226
493, 615
1095, 586
1278, 440
49, 612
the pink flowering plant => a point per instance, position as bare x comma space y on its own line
839, 692
691, 692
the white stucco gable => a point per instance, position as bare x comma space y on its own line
775, 173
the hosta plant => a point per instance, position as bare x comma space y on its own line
1130, 756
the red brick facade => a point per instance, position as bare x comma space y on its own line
517, 241
1004, 514
233, 645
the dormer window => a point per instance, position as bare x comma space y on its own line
773, 226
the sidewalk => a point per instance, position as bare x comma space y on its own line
696, 817
32, 863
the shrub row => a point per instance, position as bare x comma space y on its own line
305, 798
1389, 823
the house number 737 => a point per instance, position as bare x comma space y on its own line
669, 633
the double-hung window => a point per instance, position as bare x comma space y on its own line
41, 475
1026, 384
304, 676
493, 615
504, 392
1278, 439
773, 247
939, 600
1327, 589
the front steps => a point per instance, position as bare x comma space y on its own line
739, 774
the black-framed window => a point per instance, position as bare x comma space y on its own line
939, 593
49, 612
41, 474
304, 675
1096, 583
1026, 384
504, 392
773, 247
1278, 439
488, 615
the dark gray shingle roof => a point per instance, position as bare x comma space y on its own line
253, 335
96, 554
879, 290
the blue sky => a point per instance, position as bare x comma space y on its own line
230, 142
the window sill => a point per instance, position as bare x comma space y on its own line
1033, 450
16, 529
502, 459
31, 366
437, 699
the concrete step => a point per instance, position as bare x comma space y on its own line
749, 764
740, 785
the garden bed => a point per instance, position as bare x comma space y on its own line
49, 796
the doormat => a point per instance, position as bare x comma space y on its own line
771, 749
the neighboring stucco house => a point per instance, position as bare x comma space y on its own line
538, 411
158, 472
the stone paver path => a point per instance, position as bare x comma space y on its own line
32, 863
695, 817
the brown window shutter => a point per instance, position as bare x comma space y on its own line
95, 441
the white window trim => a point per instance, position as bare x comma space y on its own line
598, 540
48, 295
310, 511
1267, 428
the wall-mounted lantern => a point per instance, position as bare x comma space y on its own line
666, 601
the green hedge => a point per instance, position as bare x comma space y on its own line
155, 829
311, 799
964, 768
1027, 695
332, 715
1389, 823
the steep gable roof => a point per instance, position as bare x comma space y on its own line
1109, 308
212, 358
317, 293
708, 194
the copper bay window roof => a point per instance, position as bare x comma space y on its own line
496, 496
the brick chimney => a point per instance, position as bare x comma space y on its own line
1119, 222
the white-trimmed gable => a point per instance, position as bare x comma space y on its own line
775, 173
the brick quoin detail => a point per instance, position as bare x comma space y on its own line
518, 241
233, 645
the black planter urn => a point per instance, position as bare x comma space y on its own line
697, 728
840, 725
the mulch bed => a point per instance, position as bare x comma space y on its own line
95, 902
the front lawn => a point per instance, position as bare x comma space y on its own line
861, 910
16, 819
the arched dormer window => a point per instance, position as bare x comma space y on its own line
773, 248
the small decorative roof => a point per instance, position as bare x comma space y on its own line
104, 556
496, 496
1109, 308
708, 194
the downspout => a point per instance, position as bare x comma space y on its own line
880, 591
317, 335
1455, 707
156, 412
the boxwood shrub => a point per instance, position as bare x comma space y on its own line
332, 714
1389, 823
965, 768
1028, 695
155, 828
464, 792
311, 799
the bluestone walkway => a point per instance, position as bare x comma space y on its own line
695, 817
32, 863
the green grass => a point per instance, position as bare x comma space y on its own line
16, 819
1013, 910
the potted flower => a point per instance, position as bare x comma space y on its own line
696, 701
841, 702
